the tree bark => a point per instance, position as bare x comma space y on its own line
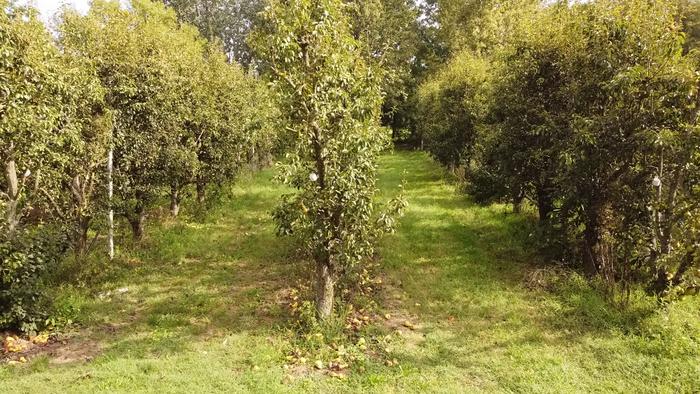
325, 289
81, 241
663, 281
597, 251
201, 191
518, 202
12, 210
545, 206
174, 200
591, 239
137, 220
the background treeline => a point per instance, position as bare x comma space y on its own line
179, 117
587, 112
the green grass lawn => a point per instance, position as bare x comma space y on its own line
202, 310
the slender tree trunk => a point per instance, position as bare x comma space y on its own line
252, 159
137, 220
174, 200
82, 223
590, 263
201, 191
325, 289
110, 213
12, 208
545, 206
81, 241
518, 202
597, 251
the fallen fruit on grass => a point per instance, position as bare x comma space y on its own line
392, 363
337, 375
318, 364
14, 344
41, 339
409, 325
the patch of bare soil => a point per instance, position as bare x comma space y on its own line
398, 319
59, 349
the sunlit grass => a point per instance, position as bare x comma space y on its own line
201, 312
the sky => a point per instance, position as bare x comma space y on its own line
49, 7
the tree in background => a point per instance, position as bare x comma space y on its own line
228, 20
451, 106
477, 25
689, 11
231, 121
91, 121
531, 108
331, 100
389, 30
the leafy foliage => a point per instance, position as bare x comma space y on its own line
331, 100
592, 116
229, 21
135, 80
35, 145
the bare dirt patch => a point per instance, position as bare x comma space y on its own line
59, 350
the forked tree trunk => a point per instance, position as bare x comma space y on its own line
664, 280
325, 289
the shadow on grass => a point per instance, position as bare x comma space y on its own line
465, 264
192, 280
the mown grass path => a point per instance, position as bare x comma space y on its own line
202, 310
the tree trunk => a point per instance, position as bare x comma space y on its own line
12, 217
174, 200
663, 280
518, 202
137, 220
12, 209
597, 251
325, 288
545, 206
81, 241
201, 191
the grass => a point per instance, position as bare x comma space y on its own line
202, 310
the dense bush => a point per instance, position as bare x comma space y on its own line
28, 257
